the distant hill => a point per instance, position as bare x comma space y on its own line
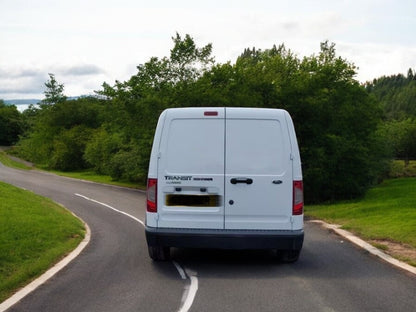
36, 101
22, 101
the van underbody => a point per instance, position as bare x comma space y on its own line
225, 239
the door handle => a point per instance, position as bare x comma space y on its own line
241, 180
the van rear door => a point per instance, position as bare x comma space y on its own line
191, 169
258, 170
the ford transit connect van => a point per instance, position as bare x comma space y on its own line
227, 178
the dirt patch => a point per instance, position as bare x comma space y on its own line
399, 251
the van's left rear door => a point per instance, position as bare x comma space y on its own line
191, 169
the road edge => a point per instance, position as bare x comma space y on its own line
366, 246
20, 294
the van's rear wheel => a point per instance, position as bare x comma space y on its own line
159, 253
289, 256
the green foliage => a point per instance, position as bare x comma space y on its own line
11, 124
336, 120
100, 150
186, 59
400, 136
68, 149
125, 165
134, 106
28, 117
58, 134
396, 93
36, 146
334, 116
399, 169
54, 92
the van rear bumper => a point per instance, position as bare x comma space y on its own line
225, 239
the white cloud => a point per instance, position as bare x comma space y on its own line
80, 70
88, 42
376, 60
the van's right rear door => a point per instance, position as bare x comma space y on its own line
258, 170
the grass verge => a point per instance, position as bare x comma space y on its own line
386, 215
93, 177
400, 169
88, 175
7, 161
34, 233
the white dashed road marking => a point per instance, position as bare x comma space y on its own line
190, 290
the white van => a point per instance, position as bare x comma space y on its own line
227, 178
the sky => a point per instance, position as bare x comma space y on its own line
87, 42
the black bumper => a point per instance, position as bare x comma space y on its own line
224, 239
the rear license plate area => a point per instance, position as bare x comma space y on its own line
192, 200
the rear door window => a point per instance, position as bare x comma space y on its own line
196, 146
255, 147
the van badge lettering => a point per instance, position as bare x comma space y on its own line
203, 179
178, 178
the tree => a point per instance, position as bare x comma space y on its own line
101, 149
410, 74
58, 134
11, 125
187, 61
133, 107
336, 120
400, 136
396, 93
335, 117
68, 149
54, 92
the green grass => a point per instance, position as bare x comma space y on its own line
34, 233
88, 175
387, 212
398, 169
7, 161
92, 176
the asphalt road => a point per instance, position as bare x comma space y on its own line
114, 272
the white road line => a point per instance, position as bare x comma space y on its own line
189, 294
108, 206
190, 291
180, 270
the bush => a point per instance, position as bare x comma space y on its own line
68, 151
11, 125
101, 149
125, 166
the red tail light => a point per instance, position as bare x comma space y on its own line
297, 198
210, 113
152, 195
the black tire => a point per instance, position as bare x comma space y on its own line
159, 253
289, 256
